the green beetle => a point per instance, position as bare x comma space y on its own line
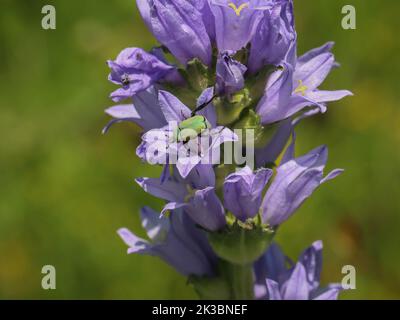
190, 128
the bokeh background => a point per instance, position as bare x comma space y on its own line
65, 189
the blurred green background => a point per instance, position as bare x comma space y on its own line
65, 189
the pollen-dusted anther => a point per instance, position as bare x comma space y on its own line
301, 88
238, 10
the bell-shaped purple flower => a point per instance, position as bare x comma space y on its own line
176, 240
159, 146
178, 25
175, 189
195, 194
230, 74
273, 38
278, 278
236, 21
295, 181
136, 70
243, 192
292, 88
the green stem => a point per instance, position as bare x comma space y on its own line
241, 279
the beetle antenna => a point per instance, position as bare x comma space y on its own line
203, 105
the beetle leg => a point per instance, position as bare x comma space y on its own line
203, 105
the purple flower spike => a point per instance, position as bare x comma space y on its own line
229, 74
178, 24
172, 239
236, 21
274, 36
280, 279
186, 136
295, 181
136, 70
243, 192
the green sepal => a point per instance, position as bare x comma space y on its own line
241, 243
242, 55
197, 75
230, 108
256, 83
264, 134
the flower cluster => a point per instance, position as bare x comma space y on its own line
223, 66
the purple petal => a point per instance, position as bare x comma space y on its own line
328, 96
172, 108
136, 70
148, 107
201, 176
294, 183
281, 206
123, 111
273, 292
172, 206
296, 287
311, 259
332, 175
206, 210
271, 265
184, 247
313, 72
208, 18
156, 227
260, 291
274, 104
235, 29
275, 146
327, 47
156, 146
209, 111
331, 294
273, 38
169, 190
136, 244
230, 74
178, 25
193, 252
186, 164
